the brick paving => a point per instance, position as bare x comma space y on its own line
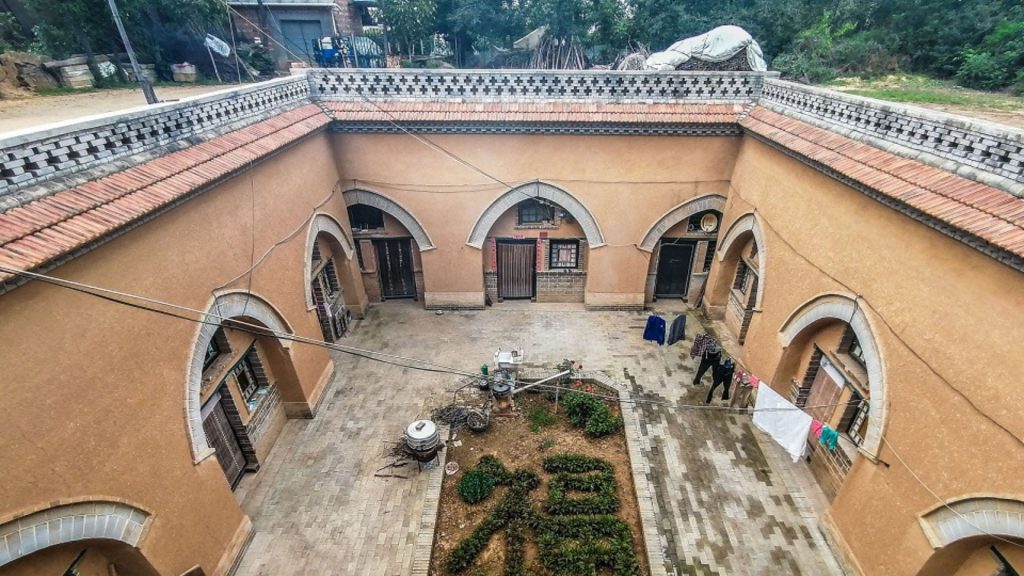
722, 505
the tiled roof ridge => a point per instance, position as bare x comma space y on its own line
45, 229
135, 179
892, 171
546, 111
914, 180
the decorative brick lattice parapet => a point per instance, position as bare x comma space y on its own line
520, 85
982, 151
34, 156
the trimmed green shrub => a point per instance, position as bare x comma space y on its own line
587, 546
576, 473
491, 465
592, 414
475, 486
513, 513
575, 463
568, 545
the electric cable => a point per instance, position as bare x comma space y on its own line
862, 299
943, 502
258, 330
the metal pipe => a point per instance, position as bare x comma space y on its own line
147, 89
538, 382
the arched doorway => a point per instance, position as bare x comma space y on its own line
332, 290
742, 264
976, 535
535, 241
388, 243
90, 537
240, 383
682, 246
831, 366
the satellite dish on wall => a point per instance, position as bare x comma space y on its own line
709, 223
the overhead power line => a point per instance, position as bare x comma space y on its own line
376, 356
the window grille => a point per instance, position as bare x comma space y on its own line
533, 212
363, 217
246, 376
742, 276
855, 419
564, 254
709, 256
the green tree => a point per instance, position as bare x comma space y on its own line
161, 31
410, 21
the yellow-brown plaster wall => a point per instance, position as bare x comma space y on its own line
960, 311
100, 388
627, 183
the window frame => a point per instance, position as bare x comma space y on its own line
861, 410
741, 282
362, 210
574, 243
709, 255
245, 367
213, 345
855, 350
532, 204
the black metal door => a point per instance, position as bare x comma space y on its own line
674, 264
516, 264
222, 439
394, 267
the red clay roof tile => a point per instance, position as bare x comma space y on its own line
42, 230
986, 212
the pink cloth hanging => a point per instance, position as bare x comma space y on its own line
816, 426
754, 381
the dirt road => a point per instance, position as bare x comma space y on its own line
40, 110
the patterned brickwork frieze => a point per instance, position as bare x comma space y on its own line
40, 155
587, 85
961, 142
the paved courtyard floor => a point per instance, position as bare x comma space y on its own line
727, 500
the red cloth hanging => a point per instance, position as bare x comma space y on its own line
816, 427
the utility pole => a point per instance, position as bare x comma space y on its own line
146, 88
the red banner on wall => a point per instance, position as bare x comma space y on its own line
494, 254
540, 255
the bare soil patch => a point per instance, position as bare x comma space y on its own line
511, 440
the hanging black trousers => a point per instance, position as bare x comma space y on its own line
720, 377
707, 361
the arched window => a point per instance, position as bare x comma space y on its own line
325, 289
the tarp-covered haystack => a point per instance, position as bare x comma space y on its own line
723, 48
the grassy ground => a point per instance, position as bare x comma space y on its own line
943, 95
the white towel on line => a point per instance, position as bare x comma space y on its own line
789, 426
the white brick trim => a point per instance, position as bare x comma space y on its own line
225, 305
844, 307
378, 200
749, 222
92, 520
970, 517
543, 190
328, 225
677, 215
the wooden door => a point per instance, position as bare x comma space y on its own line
394, 267
675, 261
516, 264
222, 439
829, 467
